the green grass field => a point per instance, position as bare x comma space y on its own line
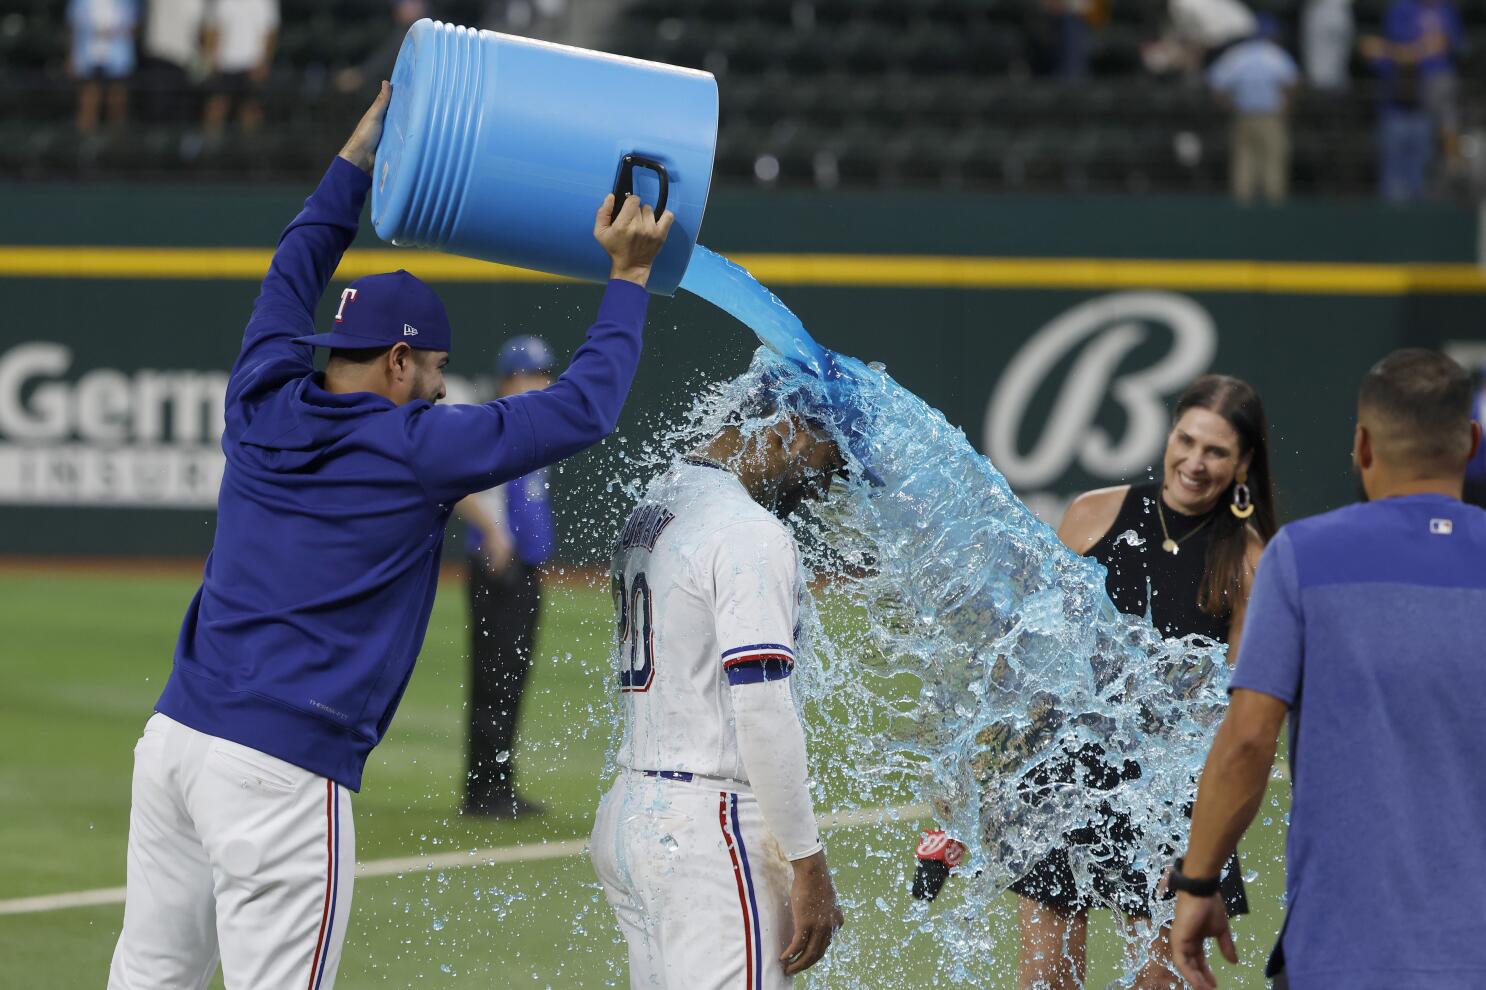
84, 657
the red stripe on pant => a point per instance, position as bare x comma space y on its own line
329, 879
722, 815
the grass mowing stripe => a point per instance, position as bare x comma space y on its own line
493, 856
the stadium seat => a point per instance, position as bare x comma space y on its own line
861, 92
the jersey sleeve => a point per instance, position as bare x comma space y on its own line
309, 251
460, 449
756, 593
1271, 652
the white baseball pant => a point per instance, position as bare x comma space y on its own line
699, 885
235, 856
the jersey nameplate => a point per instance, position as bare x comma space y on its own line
644, 526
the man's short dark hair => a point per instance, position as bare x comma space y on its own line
359, 355
1418, 402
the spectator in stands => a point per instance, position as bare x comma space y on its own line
1074, 21
240, 42
1256, 79
1326, 31
102, 51
171, 52
1198, 31
1419, 112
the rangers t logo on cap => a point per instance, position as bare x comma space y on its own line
390, 307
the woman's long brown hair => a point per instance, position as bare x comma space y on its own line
1236, 401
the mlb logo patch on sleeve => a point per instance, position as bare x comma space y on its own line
1442, 527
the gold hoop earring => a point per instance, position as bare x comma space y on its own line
1243, 502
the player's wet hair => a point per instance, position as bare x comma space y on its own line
1223, 572
766, 401
1417, 405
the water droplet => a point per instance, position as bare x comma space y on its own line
438, 924
668, 843
503, 756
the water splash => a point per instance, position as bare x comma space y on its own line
1018, 655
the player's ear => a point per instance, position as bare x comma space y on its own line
399, 361
1362, 447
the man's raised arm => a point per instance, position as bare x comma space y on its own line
308, 253
460, 449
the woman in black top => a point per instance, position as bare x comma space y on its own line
1201, 531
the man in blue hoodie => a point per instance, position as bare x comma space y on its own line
312, 609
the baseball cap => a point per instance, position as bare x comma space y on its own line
380, 310
524, 356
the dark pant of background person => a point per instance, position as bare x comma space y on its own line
165, 90
503, 625
1406, 141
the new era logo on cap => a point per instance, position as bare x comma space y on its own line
380, 310
1442, 527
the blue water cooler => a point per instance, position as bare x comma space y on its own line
501, 148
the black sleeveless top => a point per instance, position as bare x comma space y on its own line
1173, 579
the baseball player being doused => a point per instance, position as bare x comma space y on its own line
707, 843
313, 605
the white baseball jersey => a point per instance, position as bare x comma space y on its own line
706, 588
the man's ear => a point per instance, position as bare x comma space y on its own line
1362, 454
1475, 440
399, 361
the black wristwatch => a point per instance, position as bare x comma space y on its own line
1177, 880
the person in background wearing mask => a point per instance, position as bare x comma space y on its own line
510, 535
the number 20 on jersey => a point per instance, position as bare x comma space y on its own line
636, 634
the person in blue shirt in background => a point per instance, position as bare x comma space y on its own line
1365, 627
101, 50
510, 535
1418, 112
1256, 79
313, 605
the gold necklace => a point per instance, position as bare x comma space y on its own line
1168, 544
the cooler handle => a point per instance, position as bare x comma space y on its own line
624, 184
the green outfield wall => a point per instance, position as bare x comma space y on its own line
1055, 333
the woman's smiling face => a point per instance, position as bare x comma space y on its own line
1203, 455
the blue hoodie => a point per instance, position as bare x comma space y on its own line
331, 514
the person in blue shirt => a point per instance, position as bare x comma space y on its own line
101, 50
1256, 79
1365, 627
313, 605
1418, 112
510, 534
